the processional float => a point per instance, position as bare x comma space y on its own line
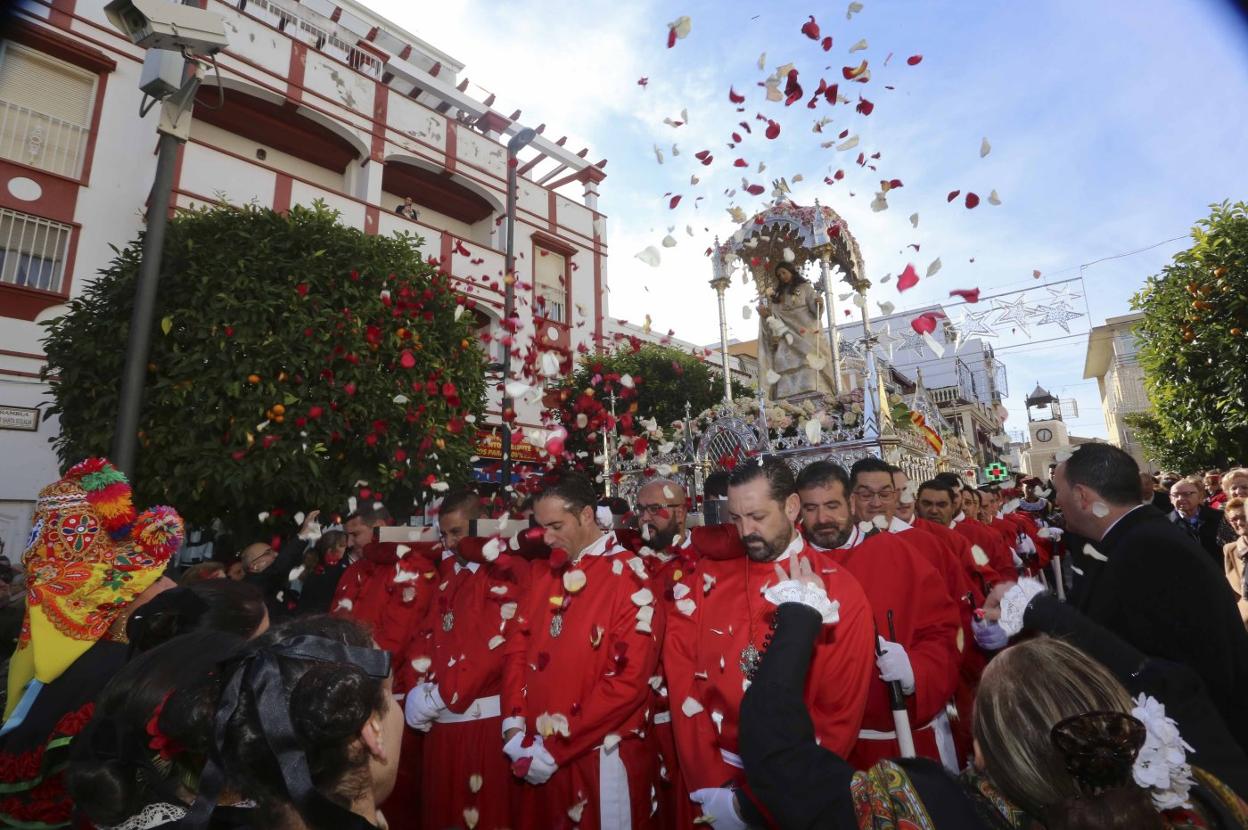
842, 400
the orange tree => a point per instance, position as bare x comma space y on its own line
1194, 347
293, 359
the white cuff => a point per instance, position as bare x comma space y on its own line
1014, 604
804, 593
513, 722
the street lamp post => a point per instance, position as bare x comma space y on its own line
517, 143
719, 281
158, 28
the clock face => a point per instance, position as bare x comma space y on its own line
1044, 434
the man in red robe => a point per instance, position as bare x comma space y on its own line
991, 544
456, 676
577, 670
718, 624
924, 656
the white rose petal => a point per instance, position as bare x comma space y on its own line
574, 581
507, 610
686, 607
422, 664
690, 707
345, 604
491, 549
474, 783
495, 641
880, 521
642, 597
680, 590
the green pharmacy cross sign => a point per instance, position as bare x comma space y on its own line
996, 471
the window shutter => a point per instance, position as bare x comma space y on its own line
45, 110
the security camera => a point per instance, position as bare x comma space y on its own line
161, 24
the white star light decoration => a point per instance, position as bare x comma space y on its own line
1058, 315
1016, 312
914, 341
973, 325
885, 338
1062, 295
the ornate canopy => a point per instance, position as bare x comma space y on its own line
787, 232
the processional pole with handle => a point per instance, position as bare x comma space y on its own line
719, 281
823, 247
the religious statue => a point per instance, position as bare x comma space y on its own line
793, 354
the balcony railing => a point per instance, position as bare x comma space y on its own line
33, 138
316, 36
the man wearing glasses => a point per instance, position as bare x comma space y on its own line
661, 514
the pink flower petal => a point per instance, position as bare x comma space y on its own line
909, 279
970, 295
914, 60
925, 323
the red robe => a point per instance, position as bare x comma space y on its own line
993, 552
389, 592
451, 647
716, 613
926, 622
596, 673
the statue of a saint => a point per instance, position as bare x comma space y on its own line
794, 357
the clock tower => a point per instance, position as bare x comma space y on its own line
1048, 432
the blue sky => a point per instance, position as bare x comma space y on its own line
1113, 125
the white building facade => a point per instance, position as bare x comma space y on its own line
1112, 360
320, 99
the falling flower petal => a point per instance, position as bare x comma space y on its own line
474, 783
735, 97
934, 267
650, 256
914, 60
813, 430
879, 203
909, 279
471, 817
574, 581
495, 642
864, 106
773, 130
972, 201
852, 72
853, 9
968, 295
859, 46
678, 30
755, 189
937, 348
658, 154
925, 323
826, 43
886, 308
690, 707
953, 194
762, 61
669, 241
673, 202
848, 144
984, 148
642, 597
993, 198
811, 29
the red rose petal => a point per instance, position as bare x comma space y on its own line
811, 29
914, 60
671, 37
735, 97
971, 200
755, 190
827, 43
674, 202
773, 129
953, 194
864, 106
970, 295
740, 163
925, 323
909, 279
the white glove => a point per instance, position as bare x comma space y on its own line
542, 765
513, 749
1025, 545
894, 664
422, 706
1014, 604
989, 636
719, 805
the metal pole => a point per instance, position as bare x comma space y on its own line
125, 439
517, 142
723, 343
829, 303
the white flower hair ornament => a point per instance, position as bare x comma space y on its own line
1103, 750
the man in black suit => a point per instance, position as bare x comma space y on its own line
1147, 581
1197, 520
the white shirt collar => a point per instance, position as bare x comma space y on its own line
961, 517
795, 546
855, 539
599, 547
472, 566
1119, 519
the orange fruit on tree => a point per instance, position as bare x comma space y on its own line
279, 409
253, 378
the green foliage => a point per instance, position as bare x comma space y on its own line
1165, 452
651, 382
1194, 349
291, 357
